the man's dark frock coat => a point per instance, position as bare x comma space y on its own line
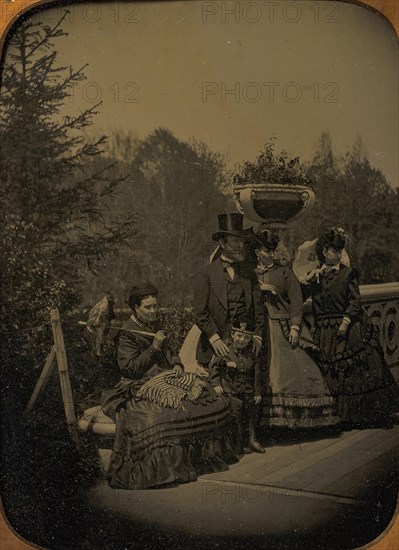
211, 306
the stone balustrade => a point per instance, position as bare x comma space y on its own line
381, 303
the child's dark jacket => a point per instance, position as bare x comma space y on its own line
244, 379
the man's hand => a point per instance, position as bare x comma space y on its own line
257, 399
293, 337
218, 390
266, 287
231, 364
220, 348
178, 370
256, 345
159, 339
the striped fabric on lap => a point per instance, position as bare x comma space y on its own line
168, 390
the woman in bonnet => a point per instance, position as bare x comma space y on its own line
349, 356
297, 395
170, 425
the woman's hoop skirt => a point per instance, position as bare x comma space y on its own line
298, 396
156, 445
355, 371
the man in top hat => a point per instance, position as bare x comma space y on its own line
227, 289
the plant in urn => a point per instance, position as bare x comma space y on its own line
273, 190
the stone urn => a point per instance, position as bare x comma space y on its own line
273, 204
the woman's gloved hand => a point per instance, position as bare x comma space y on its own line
343, 328
293, 337
178, 370
314, 274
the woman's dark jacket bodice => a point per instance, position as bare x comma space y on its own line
288, 287
335, 295
137, 357
138, 361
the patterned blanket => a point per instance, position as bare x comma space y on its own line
168, 390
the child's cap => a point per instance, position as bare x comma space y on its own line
242, 326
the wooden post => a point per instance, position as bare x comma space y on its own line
44, 376
64, 374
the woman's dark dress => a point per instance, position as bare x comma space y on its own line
353, 366
157, 445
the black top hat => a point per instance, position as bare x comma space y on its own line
267, 238
229, 224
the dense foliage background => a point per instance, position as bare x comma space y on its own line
352, 194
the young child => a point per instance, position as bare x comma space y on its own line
238, 375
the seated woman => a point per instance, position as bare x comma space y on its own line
297, 395
170, 426
350, 356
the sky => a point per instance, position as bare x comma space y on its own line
234, 74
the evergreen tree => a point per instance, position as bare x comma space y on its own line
55, 191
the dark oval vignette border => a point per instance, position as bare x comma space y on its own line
388, 9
